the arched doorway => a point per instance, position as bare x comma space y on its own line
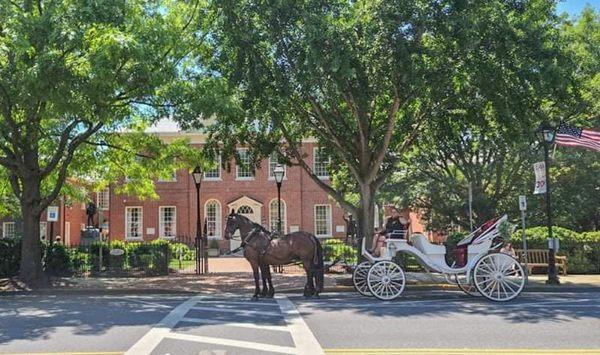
247, 207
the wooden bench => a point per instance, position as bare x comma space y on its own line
539, 258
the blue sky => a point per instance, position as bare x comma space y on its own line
574, 7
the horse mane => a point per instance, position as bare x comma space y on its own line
256, 225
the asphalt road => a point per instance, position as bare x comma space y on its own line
180, 324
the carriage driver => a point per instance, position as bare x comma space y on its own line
395, 222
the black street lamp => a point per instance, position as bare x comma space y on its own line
279, 172
547, 136
197, 175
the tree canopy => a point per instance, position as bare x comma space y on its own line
367, 79
73, 77
495, 148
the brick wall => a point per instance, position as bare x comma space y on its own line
299, 193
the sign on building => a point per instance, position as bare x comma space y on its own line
540, 178
52, 214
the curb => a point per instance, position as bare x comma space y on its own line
445, 287
97, 291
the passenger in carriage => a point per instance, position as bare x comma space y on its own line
395, 223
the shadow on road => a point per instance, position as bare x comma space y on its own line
528, 308
36, 317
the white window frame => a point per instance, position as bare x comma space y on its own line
237, 167
45, 236
161, 225
100, 207
330, 224
212, 178
218, 219
273, 214
322, 177
127, 208
4, 224
272, 165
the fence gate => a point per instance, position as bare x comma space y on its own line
186, 256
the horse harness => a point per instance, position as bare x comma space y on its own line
245, 242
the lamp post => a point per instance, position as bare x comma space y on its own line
279, 172
197, 175
547, 136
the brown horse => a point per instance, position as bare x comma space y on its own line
261, 252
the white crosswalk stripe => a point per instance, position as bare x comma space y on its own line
213, 313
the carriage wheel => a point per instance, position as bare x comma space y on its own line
359, 278
469, 289
386, 280
499, 277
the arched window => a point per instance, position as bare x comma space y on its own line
274, 216
212, 214
245, 210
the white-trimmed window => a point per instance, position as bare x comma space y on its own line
171, 178
103, 199
323, 220
8, 230
243, 165
321, 163
43, 229
212, 214
167, 221
134, 219
274, 216
214, 174
273, 161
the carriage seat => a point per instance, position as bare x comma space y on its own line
421, 242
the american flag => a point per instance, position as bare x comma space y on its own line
577, 137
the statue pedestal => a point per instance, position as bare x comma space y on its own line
90, 235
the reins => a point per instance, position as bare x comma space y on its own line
245, 241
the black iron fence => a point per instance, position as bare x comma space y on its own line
112, 258
108, 258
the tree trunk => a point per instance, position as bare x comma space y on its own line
366, 215
31, 271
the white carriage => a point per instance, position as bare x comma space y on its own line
482, 269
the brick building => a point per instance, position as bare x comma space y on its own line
304, 205
72, 220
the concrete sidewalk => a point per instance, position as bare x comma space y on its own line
233, 275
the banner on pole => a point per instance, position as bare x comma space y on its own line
540, 178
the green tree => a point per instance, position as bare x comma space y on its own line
363, 77
486, 138
71, 75
575, 172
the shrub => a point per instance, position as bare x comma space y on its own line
177, 249
582, 249
57, 260
537, 238
335, 250
80, 261
10, 256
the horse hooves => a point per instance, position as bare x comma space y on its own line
254, 298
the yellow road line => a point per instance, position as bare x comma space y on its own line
420, 351
72, 353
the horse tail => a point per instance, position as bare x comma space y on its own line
318, 265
